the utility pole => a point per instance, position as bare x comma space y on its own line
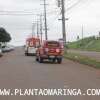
61, 4
33, 26
82, 34
41, 27
37, 29
99, 34
45, 18
63, 21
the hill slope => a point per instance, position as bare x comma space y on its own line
90, 43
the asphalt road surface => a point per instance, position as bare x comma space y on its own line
19, 71
91, 54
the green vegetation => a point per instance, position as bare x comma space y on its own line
82, 59
4, 35
90, 44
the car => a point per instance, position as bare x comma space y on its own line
50, 50
7, 48
0, 52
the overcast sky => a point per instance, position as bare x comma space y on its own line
79, 12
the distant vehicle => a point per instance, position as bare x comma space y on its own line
0, 52
31, 46
7, 48
51, 50
11, 48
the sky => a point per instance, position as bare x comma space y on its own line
18, 16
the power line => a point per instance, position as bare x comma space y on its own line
20, 11
24, 14
51, 24
75, 4
9, 14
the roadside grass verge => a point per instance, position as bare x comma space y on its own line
88, 44
82, 59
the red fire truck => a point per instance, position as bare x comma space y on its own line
31, 46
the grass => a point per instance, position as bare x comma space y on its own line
82, 59
89, 44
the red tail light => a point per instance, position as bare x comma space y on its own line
57, 50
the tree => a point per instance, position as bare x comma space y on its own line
4, 35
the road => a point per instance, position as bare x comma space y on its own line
19, 71
91, 54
